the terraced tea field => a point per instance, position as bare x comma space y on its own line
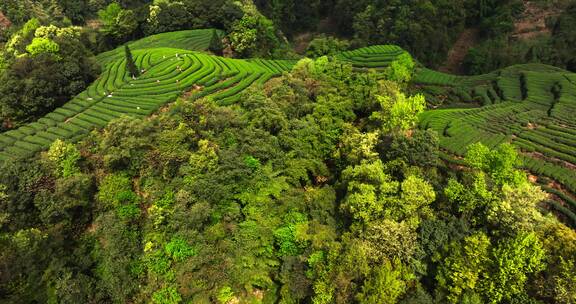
532, 106
373, 57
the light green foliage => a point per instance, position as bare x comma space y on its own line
42, 46
65, 157
368, 189
325, 68
158, 262
161, 208
469, 198
356, 146
178, 249
517, 211
225, 295
495, 272
30, 27
401, 69
128, 211
564, 284
174, 144
513, 260
287, 236
118, 23
54, 32
385, 240
463, 268
557, 281
206, 158
109, 14
167, 295
252, 162
167, 200
386, 284
114, 189
416, 196
500, 164
398, 112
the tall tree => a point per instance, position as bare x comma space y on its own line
216, 46
130, 64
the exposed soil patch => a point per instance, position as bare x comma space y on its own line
301, 42
4, 22
94, 24
468, 38
532, 22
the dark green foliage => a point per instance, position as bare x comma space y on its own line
130, 65
326, 46
192, 14
420, 149
216, 46
498, 51
31, 86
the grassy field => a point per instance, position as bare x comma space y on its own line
532, 106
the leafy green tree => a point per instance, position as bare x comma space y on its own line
178, 249
462, 270
118, 24
43, 72
387, 240
416, 197
513, 260
399, 113
253, 35
356, 146
287, 238
216, 45
517, 211
471, 197
368, 190
225, 294
401, 69
114, 188
500, 164
42, 46
65, 158
421, 148
555, 284
387, 283
326, 46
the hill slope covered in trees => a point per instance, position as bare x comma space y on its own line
184, 164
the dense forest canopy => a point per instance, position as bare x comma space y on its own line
287, 151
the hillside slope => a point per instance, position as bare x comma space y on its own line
532, 106
172, 64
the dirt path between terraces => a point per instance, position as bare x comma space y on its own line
453, 64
